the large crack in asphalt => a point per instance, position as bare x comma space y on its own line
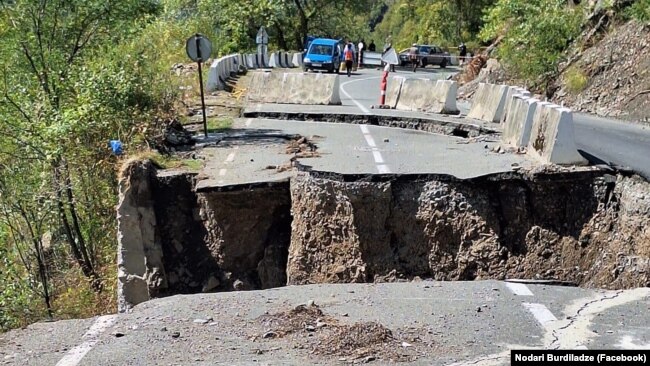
576, 331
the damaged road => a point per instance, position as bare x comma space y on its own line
287, 202
419, 322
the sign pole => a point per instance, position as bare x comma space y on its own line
199, 61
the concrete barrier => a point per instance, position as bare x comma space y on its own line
273, 60
250, 61
393, 90
294, 88
519, 120
434, 96
512, 90
287, 60
220, 70
552, 138
488, 102
296, 59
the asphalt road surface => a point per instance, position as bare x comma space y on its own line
435, 323
604, 140
255, 148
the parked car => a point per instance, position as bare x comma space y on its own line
428, 55
323, 54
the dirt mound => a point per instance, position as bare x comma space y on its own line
480, 70
612, 78
301, 318
307, 327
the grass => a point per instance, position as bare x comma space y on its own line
166, 161
575, 80
219, 124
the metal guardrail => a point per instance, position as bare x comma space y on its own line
372, 58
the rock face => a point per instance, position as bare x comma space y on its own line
174, 240
585, 227
141, 273
462, 230
248, 234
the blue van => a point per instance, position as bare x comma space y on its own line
323, 54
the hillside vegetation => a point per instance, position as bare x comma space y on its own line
75, 74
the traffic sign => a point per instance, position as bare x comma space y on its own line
262, 36
390, 57
198, 48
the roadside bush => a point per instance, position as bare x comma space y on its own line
535, 34
575, 80
640, 11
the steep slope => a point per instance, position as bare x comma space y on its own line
615, 75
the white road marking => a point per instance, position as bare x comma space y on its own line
230, 157
248, 122
377, 155
74, 356
370, 140
541, 313
222, 172
383, 169
628, 342
363, 109
519, 289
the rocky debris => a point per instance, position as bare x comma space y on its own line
307, 326
483, 70
361, 341
301, 318
301, 147
548, 227
170, 136
618, 76
578, 225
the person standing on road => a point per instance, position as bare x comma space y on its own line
348, 54
462, 53
371, 46
413, 56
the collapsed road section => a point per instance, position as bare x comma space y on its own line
185, 232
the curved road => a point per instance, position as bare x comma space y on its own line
602, 140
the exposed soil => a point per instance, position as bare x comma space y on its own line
307, 327
618, 75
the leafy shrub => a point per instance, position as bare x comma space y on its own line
640, 11
575, 80
535, 34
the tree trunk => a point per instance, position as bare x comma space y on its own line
80, 257
303, 29
282, 42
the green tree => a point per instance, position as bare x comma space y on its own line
61, 99
535, 35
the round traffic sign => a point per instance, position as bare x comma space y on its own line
198, 48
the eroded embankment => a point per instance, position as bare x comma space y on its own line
588, 228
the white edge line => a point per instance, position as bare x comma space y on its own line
378, 158
370, 141
383, 169
363, 109
519, 289
74, 356
540, 312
